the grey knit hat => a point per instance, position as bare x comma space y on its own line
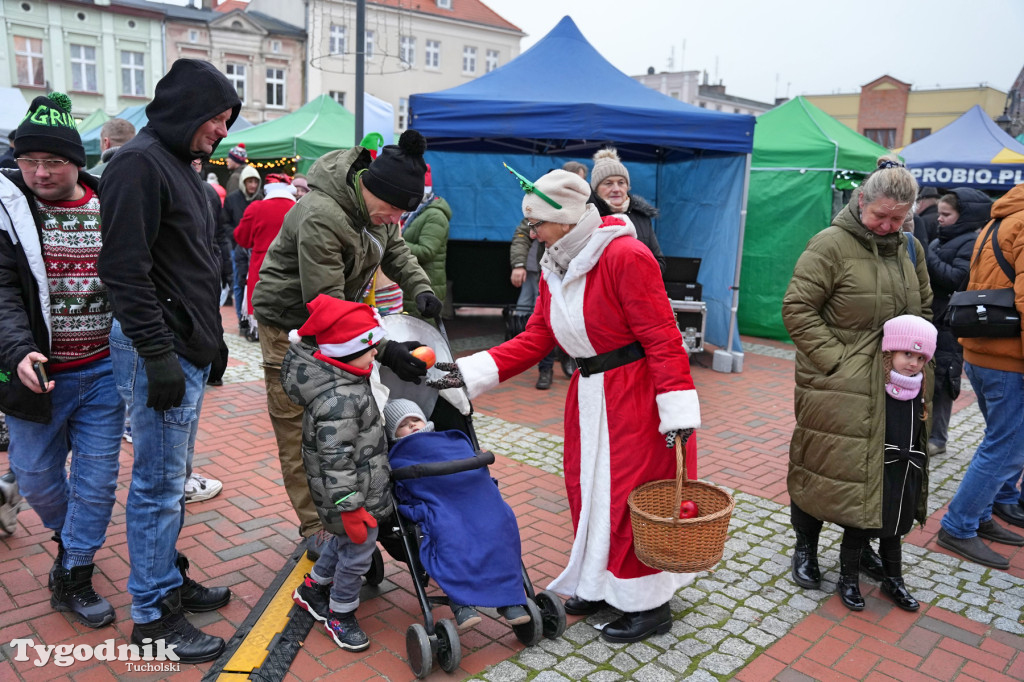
607, 164
396, 411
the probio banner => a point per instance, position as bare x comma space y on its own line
979, 177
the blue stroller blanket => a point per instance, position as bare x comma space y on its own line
470, 543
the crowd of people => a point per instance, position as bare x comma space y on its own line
112, 280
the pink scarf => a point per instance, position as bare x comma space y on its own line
903, 387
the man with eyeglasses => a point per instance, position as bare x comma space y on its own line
56, 380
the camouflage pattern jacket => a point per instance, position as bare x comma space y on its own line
343, 447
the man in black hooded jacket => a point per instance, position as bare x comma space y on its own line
161, 267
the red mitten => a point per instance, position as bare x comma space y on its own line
356, 522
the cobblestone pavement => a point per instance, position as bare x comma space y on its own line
746, 620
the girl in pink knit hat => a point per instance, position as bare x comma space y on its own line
908, 344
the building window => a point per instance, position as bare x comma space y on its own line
919, 134
337, 43
275, 46
468, 59
407, 50
83, 68
736, 110
133, 73
368, 45
883, 136
702, 105
236, 74
491, 62
674, 94
338, 96
444, 4
28, 53
403, 113
432, 54
193, 36
275, 87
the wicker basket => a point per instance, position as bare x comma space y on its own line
664, 541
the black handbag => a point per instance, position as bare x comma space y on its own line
986, 313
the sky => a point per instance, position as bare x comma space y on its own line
762, 49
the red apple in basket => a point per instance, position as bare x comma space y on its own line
426, 354
688, 510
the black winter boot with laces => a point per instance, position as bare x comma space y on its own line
190, 644
194, 597
58, 562
72, 591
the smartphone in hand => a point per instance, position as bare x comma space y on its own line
40, 371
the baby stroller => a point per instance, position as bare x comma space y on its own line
448, 409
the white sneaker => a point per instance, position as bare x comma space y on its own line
10, 503
199, 488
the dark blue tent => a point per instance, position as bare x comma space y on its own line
972, 151
559, 101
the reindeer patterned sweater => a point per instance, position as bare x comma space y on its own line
79, 311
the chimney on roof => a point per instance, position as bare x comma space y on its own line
209, 4
650, 70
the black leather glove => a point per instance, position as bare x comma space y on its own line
428, 305
219, 365
453, 378
397, 357
670, 437
166, 381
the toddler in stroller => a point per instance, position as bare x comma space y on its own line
470, 538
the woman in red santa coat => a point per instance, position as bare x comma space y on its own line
602, 300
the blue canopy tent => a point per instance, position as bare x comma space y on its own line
972, 151
561, 100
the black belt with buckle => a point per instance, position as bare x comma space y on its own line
611, 359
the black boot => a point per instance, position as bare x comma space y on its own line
72, 591
194, 597
58, 562
871, 564
544, 379
806, 573
638, 625
575, 606
892, 585
848, 586
191, 645
243, 328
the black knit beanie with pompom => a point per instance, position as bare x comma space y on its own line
396, 175
49, 127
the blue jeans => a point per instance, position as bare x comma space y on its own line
1000, 456
163, 444
88, 420
346, 562
240, 265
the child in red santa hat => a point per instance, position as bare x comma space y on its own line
344, 451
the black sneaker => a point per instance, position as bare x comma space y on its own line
198, 599
191, 645
345, 631
465, 616
515, 614
314, 597
72, 591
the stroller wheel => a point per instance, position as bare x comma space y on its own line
375, 576
449, 648
552, 614
530, 633
417, 647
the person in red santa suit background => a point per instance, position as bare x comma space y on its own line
601, 299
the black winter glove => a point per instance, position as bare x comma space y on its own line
453, 378
166, 381
428, 305
397, 357
219, 365
670, 437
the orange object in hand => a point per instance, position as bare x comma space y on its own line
426, 354
688, 510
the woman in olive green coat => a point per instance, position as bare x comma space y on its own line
851, 279
426, 233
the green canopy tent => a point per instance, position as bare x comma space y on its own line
803, 158
297, 139
93, 120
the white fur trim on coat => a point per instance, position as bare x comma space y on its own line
678, 410
480, 373
21, 226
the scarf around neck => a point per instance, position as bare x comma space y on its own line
558, 256
903, 387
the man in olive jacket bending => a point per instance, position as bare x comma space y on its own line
332, 242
